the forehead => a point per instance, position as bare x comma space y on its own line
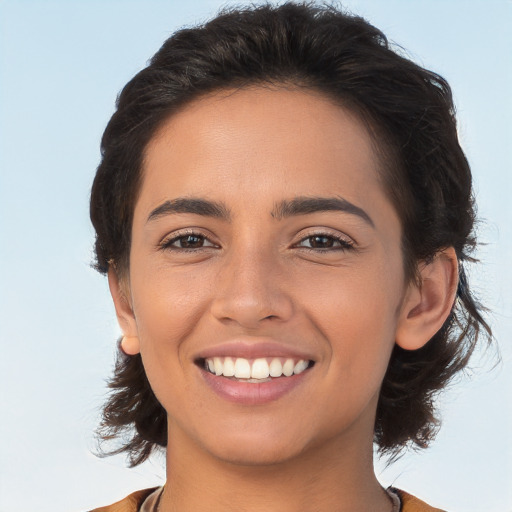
261, 144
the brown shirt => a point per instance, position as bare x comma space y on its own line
133, 503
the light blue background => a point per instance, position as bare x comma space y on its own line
61, 66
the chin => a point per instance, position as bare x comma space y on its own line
255, 454
254, 446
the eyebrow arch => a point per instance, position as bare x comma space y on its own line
192, 205
307, 205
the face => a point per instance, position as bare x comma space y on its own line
264, 244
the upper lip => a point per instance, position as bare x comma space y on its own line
253, 350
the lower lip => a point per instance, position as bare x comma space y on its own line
253, 393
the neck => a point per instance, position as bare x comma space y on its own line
334, 477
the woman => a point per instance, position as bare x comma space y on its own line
284, 213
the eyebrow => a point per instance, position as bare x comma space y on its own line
307, 205
195, 206
283, 209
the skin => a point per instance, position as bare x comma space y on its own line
328, 283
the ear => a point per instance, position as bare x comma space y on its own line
120, 295
428, 303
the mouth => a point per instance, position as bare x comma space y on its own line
258, 370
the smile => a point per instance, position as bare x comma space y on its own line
255, 370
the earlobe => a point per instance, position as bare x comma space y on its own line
130, 345
428, 303
125, 317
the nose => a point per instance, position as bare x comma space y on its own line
251, 288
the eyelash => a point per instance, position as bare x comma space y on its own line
167, 243
342, 243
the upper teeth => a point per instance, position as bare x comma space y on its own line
261, 368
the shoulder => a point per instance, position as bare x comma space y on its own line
412, 504
131, 503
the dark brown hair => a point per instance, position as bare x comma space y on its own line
409, 112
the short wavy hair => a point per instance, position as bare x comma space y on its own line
410, 116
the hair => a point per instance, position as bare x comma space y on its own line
410, 115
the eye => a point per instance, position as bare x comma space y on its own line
187, 241
323, 241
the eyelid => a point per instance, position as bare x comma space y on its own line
166, 242
345, 242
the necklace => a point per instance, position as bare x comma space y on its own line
393, 496
156, 508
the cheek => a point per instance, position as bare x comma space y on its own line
352, 299
356, 311
168, 306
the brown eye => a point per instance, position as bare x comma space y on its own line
325, 242
321, 242
187, 242
190, 241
